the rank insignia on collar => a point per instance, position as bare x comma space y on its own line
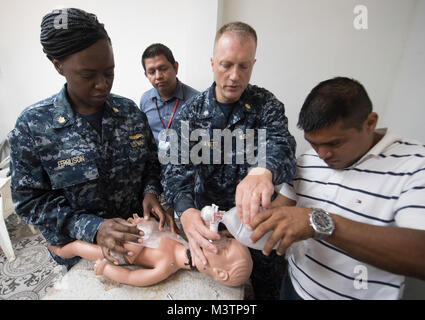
137, 143
61, 120
247, 106
136, 136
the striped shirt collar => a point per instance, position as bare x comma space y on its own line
388, 139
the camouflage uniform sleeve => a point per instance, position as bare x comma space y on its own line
178, 177
35, 201
280, 144
152, 170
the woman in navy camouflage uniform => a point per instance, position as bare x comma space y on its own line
84, 160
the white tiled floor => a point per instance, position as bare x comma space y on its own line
33, 272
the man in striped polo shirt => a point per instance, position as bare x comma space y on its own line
359, 220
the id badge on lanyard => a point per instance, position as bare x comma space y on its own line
163, 144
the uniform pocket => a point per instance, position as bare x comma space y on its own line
71, 171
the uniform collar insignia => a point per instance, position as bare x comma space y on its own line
61, 120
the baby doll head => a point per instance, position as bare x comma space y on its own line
231, 266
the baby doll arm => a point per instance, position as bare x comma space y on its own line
138, 277
79, 248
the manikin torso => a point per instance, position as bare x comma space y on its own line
169, 256
159, 248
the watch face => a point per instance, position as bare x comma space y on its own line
322, 222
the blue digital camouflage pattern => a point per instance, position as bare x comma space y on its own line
66, 178
194, 186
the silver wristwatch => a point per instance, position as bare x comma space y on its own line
322, 223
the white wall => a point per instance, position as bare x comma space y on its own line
302, 42
405, 109
187, 27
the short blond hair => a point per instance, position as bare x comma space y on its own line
239, 28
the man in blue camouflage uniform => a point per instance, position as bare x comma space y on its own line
84, 160
231, 103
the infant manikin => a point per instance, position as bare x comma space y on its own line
163, 253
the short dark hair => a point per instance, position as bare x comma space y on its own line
332, 100
242, 29
157, 49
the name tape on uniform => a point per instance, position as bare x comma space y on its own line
71, 161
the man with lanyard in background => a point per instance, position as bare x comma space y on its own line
168, 93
